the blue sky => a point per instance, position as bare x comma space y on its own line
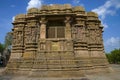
108, 11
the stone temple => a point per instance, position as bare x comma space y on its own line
57, 41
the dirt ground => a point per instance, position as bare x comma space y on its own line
115, 75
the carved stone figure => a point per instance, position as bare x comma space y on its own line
19, 37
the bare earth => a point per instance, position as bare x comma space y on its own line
115, 75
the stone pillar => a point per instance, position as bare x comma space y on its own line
42, 39
80, 44
95, 42
43, 28
17, 44
31, 33
40, 60
30, 43
68, 27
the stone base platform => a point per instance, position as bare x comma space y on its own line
46, 73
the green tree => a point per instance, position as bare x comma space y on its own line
108, 55
8, 40
114, 56
1, 48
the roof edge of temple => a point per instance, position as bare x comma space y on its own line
92, 14
19, 16
57, 7
33, 10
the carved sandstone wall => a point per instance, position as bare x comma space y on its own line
57, 41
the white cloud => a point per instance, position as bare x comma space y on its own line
50, 4
13, 18
113, 41
34, 3
109, 8
77, 2
105, 25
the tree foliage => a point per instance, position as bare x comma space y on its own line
7, 44
5, 49
8, 40
1, 48
114, 56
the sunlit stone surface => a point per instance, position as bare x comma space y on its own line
57, 41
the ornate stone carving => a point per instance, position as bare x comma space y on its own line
19, 37
75, 44
43, 28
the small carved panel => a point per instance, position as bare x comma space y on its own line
55, 46
64, 62
52, 56
19, 37
69, 46
55, 62
43, 31
16, 55
40, 56
28, 55
42, 46
74, 30
31, 34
